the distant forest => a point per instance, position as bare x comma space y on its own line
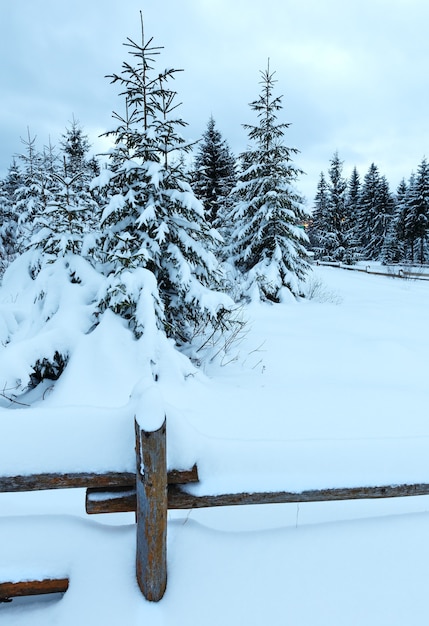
362, 219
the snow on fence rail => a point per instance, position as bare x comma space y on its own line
150, 492
391, 271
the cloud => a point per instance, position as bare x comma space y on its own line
353, 74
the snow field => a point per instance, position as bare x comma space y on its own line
319, 391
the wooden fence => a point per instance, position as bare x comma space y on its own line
150, 492
393, 272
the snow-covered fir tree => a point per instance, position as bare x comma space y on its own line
352, 213
337, 213
53, 276
375, 214
12, 180
319, 219
77, 160
68, 222
75, 147
333, 221
417, 220
399, 236
394, 245
214, 173
156, 241
6, 229
33, 194
267, 242
9, 220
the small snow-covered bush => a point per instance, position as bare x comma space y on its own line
315, 289
44, 314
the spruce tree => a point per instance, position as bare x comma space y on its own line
417, 223
267, 242
6, 232
33, 194
337, 194
333, 219
376, 211
214, 172
337, 225
155, 237
9, 219
352, 213
390, 246
75, 147
319, 221
12, 181
68, 222
56, 282
400, 219
368, 207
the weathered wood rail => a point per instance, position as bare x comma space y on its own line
399, 273
76, 480
9, 590
101, 501
150, 492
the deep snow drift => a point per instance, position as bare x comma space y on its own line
326, 392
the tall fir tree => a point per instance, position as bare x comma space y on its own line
333, 221
214, 173
352, 213
155, 237
417, 221
33, 194
399, 222
12, 181
319, 220
75, 147
68, 222
386, 224
267, 241
51, 272
337, 211
9, 219
394, 245
6, 229
376, 211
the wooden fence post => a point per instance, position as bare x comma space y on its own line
151, 511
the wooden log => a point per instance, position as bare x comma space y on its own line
183, 477
178, 499
151, 512
10, 590
39, 482
114, 500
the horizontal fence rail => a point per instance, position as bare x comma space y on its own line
9, 590
76, 480
118, 501
394, 273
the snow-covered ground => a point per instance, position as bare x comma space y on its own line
330, 391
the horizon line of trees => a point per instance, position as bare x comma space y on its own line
362, 219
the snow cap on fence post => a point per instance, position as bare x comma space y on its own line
148, 406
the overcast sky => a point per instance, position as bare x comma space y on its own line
353, 73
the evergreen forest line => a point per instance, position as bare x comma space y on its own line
355, 219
